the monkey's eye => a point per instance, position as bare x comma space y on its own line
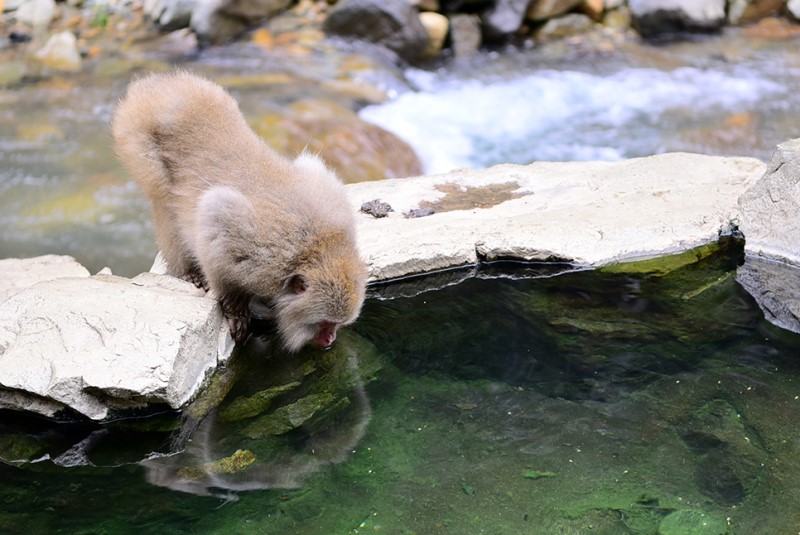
297, 284
241, 258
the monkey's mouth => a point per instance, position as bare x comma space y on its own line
326, 334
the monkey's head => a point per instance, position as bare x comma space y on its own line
297, 254
319, 298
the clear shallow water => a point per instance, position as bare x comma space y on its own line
610, 403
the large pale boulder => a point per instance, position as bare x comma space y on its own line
656, 17
94, 344
771, 209
587, 213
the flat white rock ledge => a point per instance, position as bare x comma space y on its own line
587, 213
17, 274
98, 343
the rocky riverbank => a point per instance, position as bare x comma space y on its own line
38, 37
102, 344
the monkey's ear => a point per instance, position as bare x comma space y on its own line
296, 284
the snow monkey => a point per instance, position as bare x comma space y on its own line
236, 218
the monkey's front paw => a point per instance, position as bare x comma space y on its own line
237, 312
239, 326
196, 277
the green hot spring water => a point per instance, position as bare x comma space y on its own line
653, 399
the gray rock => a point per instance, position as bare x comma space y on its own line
566, 26
653, 18
504, 18
253, 10
376, 208
546, 9
465, 35
770, 220
393, 24
776, 289
218, 21
95, 344
170, 15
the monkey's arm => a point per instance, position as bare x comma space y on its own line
226, 247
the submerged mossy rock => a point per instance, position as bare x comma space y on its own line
732, 456
320, 383
671, 301
237, 462
692, 522
288, 417
244, 407
296, 388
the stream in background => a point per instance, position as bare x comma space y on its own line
61, 190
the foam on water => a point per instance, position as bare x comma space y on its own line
559, 115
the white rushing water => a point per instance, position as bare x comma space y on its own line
558, 115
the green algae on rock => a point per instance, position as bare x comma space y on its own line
727, 245
692, 522
244, 407
237, 462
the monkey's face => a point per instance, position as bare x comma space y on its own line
319, 300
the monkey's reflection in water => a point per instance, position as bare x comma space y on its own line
262, 425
